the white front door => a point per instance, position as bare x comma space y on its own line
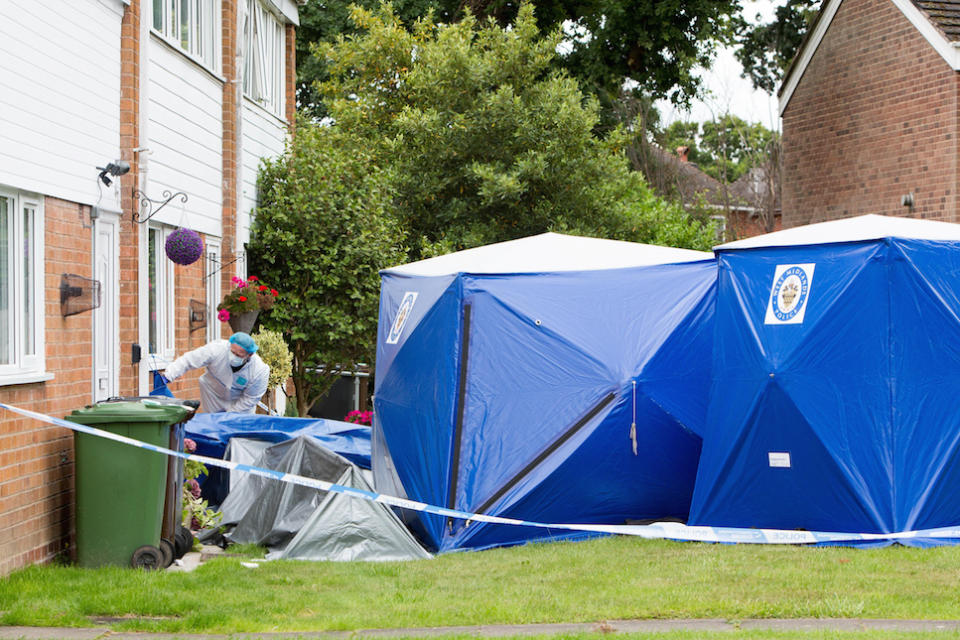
106, 346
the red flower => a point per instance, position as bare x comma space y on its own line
243, 298
263, 287
252, 278
273, 292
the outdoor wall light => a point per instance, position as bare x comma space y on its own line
115, 168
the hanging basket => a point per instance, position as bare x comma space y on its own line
184, 246
243, 321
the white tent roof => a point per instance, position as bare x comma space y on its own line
869, 227
549, 252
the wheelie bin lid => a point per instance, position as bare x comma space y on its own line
142, 410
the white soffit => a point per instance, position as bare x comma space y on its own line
287, 9
549, 252
861, 228
947, 49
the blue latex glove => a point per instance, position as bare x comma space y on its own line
160, 385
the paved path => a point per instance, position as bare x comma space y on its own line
495, 631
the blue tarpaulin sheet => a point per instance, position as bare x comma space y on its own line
212, 431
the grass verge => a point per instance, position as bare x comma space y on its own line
600, 579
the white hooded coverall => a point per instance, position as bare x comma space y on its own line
221, 388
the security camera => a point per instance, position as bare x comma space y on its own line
115, 168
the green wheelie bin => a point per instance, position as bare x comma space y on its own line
120, 488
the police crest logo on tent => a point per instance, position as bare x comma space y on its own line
789, 294
406, 305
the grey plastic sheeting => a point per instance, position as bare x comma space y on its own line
302, 523
243, 451
344, 528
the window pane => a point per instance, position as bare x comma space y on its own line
171, 30
247, 49
29, 283
158, 15
185, 24
199, 32
6, 318
153, 245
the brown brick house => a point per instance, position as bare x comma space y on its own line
870, 113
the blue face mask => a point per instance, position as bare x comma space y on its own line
235, 361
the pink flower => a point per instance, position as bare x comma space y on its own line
360, 417
223, 315
193, 487
189, 445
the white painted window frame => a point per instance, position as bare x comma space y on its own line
212, 261
165, 300
203, 28
264, 57
25, 367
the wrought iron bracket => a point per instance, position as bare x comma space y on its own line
240, 258
148, 207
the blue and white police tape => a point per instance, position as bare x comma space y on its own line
658, 530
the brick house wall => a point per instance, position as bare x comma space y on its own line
873, 118
36, 461
129, 325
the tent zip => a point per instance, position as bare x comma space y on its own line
569, 433
461, 402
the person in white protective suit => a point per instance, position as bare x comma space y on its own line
235, 379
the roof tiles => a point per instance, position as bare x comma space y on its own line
945, 14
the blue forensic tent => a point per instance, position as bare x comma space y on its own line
835, 380
508, 378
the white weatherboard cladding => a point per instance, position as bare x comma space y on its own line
263, 136
184, 135
59, 96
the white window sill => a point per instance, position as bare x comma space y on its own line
26, 377
176, 48
262, 109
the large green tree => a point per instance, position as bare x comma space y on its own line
766, 49
653, 44
487, 140
324, 228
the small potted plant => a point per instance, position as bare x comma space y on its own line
242, 305
276, 354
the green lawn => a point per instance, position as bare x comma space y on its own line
601, 579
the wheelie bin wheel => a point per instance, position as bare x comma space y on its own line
168, 552
147, 557
183, 541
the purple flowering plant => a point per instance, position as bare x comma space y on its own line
184, 246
